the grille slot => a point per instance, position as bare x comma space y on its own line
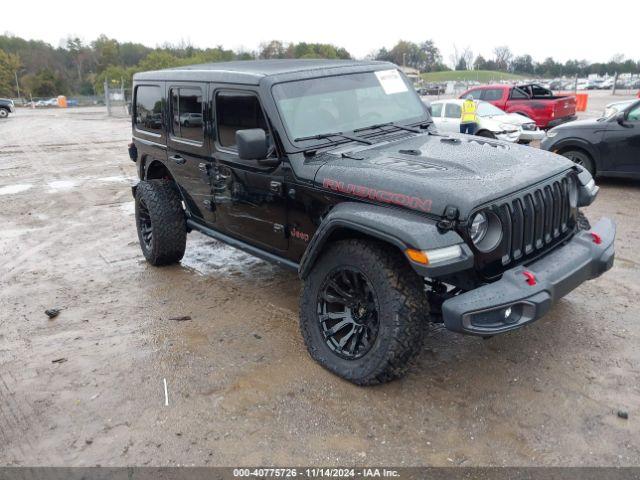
536, 219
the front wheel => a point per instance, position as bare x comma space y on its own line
485, 134
581, 158
363, 312
4, 113
583, 221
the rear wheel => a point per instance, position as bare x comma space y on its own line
161, 222
581, 158
363, 312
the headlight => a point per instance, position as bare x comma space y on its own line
551, 134
479, 226
485, 231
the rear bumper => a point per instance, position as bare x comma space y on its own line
513, 301
561, 120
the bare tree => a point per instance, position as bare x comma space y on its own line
467, 56
503, 57
455, 56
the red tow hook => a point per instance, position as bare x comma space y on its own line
597, 239
531, 279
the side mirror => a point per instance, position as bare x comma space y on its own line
621, 118
252, 144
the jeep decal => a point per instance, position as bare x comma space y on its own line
384, 196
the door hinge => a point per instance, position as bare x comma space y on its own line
276, 187
204, 172
209, 204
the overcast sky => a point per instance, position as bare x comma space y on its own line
541, 28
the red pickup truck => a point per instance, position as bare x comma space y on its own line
533, 101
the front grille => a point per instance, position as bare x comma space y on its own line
532, 222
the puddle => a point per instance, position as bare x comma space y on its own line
128, 208
207, 256
12, 189
115, 179
62, 185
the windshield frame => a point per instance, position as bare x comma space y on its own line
303, 145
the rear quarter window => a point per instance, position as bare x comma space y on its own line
492, 94
148, 115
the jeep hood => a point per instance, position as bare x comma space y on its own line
429, 172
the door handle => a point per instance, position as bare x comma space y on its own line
178, 159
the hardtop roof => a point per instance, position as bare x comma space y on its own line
252, 71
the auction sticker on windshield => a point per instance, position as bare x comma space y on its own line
391, 81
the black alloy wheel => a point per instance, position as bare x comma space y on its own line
348, 315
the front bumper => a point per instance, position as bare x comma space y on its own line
526, 293
532, 135
512, 137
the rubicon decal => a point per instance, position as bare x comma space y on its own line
384, 196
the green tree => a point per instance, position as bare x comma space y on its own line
107, 52
9, 65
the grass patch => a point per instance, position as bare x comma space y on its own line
470, 75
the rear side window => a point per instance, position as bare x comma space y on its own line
436, 109
186, 114
476, 94
149, 108
519, 94
452, 110
492, 94
237, 111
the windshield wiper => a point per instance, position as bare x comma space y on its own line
320, 136
388, 124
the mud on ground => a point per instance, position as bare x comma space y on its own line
86, 387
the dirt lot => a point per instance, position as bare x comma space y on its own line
87, 387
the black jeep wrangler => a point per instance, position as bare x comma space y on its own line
334, 169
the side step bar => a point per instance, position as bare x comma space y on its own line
245, 247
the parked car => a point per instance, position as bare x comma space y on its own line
334, 170
191, 119
531, 100
6, 107
493, 122
608, 146
615, 107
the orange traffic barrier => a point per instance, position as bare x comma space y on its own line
581, 101
62, 101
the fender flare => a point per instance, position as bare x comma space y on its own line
400, 228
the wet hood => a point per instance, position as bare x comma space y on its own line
429, 172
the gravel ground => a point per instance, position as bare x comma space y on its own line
87, 387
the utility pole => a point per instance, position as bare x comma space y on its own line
17, 86
404, 60
615, 81
106, 97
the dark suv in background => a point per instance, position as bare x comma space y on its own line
607, 146
334, 169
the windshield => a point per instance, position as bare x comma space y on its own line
488, 110
347, 102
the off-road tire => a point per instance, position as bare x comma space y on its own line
403, 311
167, 221
4, 113
583, 221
